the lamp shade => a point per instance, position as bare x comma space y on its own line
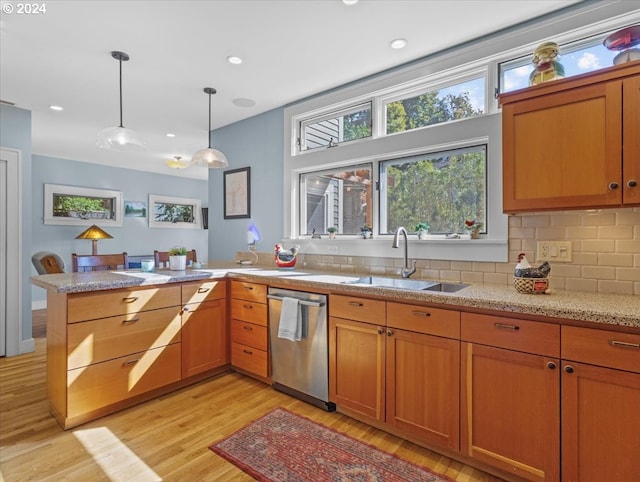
119, 139
94, 233
211, 158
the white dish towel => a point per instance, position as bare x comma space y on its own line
290, 327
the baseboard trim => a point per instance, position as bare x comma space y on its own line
27, 346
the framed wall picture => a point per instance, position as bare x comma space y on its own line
237, 193
174, 212
82, 206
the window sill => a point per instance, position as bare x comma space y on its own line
492, 250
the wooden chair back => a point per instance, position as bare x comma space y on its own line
47, 263
163, 257
98, 262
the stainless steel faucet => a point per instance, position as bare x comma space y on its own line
407, 270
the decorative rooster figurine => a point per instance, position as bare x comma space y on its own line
286, 258
525, 270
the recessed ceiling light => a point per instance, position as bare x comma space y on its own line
243, 102
170, 134
57, 108
398, 43
232, 59
349, 2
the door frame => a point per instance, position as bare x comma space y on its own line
14, 246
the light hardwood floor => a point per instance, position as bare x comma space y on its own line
164, 439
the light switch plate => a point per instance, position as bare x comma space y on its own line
557, 251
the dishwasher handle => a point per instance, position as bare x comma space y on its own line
302, 302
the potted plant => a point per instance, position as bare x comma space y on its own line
473, 227
332, 231
422, 229
178, 258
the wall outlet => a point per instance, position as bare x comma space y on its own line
558, 251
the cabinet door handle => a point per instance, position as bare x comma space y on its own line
130, 299
132, 320
551, 365
624, 344
355, 303
613, 185
389, 332
130, 362
568, 368
203, 290
248, 352
426, 314
506, 326
247, 307
632, 183
248, 328
380, 331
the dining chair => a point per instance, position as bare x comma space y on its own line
98, 262
46, 262
163, 257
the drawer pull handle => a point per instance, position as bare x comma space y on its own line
426, 314
130, 362
505, 326
248, 328
248, 288
130, 299
248, 352
132, 320
247, 307
624, 344
203, 290
355, 303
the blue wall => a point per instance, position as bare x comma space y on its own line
256, 142
15, 133
135, 237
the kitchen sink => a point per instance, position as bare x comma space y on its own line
407, 284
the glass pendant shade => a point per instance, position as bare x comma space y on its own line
209, 157
119, 138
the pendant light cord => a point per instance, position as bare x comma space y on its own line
120, 62
209, 131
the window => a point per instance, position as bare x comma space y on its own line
577, 58
337, 127
81, 206
458, 101
339, 198
442, 189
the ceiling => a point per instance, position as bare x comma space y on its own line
291, 49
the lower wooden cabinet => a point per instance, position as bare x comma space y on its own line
205, 334
600, 405
510, 411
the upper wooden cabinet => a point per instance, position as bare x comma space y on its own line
573, 143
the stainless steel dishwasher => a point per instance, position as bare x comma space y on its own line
301, 368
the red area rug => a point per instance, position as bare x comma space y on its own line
283, 446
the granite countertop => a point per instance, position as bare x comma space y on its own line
620, 310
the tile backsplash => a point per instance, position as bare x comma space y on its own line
605, 245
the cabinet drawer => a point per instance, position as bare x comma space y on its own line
249, 291
513, 334
249, 311
102, 304
250, 359
109, 382
203, 291
249, 334
423, 319
107, 338
601, 347
360, 309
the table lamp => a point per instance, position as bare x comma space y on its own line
94, 233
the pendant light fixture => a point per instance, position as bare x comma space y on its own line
119, 138
209, 157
